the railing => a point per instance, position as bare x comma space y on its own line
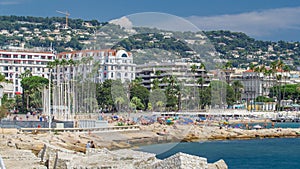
99, 129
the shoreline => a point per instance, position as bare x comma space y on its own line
75, 142
156, 134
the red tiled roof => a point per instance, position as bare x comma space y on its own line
249, 70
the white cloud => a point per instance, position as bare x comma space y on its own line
257, 23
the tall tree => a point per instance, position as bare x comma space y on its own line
103, 95
34, 85
237, 87
173, 94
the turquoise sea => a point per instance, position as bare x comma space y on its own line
276, 125
278, 153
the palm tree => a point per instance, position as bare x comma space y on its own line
298, 91
119, 102
228, 65
193, 70
200, 82
237, 87
286, 70
25, 93
173, 94
251, 66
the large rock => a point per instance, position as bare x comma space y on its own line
20, 159
182, 161
218, 165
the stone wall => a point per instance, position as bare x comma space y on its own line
33, 124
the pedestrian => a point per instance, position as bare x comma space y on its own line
273, 124
88, 145
92, 144
27, 115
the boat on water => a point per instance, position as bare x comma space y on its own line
257, 127
286, 119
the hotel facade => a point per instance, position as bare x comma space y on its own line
110, 64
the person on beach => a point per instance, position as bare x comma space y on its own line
247, 126
265, 125
92, 144
27, 115
88, 145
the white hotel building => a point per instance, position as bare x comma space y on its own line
14, 63
112, 64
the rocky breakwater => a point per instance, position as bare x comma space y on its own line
67, 150
122, 159
215, 133
194, 133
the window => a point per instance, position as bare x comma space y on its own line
17, 68
104, 74
29, 56
23, 56
16, 82
112, 74
6, 68
38, 69
17, 89
15, 56
112, 68
6, 56
105, 68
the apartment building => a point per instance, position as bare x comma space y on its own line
15, 62
181, 70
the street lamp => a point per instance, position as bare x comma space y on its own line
49, 100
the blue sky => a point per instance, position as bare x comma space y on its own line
261, 19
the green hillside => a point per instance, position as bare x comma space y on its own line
237, 47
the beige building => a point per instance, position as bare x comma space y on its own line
181, 70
